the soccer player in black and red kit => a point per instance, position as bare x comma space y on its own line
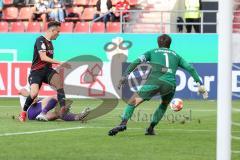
42, 71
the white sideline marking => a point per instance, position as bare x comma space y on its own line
188, 109
236, 124
236, 152
234, 137
73, 128
146, 109
236, 110
41, 131
8, 106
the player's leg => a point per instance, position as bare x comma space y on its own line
167, 91
188, 25
76, 117
145, 93
55, 80
35, 81
51, 116
134, 101
197, 27
34, 110
47, 104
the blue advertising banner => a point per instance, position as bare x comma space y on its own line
186, 88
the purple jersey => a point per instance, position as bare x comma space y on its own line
34, 110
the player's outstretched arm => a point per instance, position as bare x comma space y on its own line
142, 59
202, 90
191, 70
130, 68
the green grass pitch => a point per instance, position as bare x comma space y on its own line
187, 135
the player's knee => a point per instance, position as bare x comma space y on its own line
134, 102
33, 95
57, 84
60, 85
165, 103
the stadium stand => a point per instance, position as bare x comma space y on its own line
133, 2
113, 27
10, 13
92, 2
7, 2
17, 27
66, 27
3, 26
33, 27
80, 2
78, 12
74, 13
82, 27
236, 17
114, 2
98, 27
25, 13
88, 13
44, 27
146, 28
153, 18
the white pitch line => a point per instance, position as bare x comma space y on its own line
188, 109
235, 109
237, 152
8, 106
236, 138
40, 131
94, 127
145, 109
204, 110
73, 128
236, 124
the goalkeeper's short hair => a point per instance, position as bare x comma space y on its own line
164, 41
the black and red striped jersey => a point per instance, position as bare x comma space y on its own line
42, 44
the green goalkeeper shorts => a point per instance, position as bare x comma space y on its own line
165, 89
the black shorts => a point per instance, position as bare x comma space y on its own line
40, 76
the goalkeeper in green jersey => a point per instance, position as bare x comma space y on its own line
164, 64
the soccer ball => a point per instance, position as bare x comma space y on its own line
176, 104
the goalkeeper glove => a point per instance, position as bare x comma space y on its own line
202, 90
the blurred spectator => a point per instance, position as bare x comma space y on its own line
30, 2
40, 10
1, 7
57, 10
123, 6
192, 14
19, 2
180, 22
104, 6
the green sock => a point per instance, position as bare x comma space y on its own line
127, 114
158, 114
